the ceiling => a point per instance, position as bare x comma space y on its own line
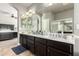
40, 8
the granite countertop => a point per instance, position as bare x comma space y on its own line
71, 41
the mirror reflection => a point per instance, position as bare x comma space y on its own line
49, 21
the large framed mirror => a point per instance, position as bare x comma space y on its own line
31, 24
62, 25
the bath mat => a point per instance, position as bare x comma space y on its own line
18, 49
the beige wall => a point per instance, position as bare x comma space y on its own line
6, 18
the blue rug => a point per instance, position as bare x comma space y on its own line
18, 50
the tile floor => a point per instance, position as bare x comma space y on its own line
5, 48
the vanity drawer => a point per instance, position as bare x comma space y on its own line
31, 41
55, 52
66, 47
29, 37
40, 40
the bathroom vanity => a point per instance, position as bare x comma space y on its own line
46, 46
7, 32
39, 42
7, 35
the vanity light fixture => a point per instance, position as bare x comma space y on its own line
32, 11
23, 16
29, 13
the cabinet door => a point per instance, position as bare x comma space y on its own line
0, 37
29, 41
55, 52
26, 40
31, 46
5, 36
66, 47
20, 40
40, 49
23, 41
15, 34
10, 35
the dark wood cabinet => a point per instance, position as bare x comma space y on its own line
61, 46
31, 46
40, 46
40, 49
45, 47
40, 40
23, 41
4, 36
30, 43
7, 35
55, 52
15, 34
27, 42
